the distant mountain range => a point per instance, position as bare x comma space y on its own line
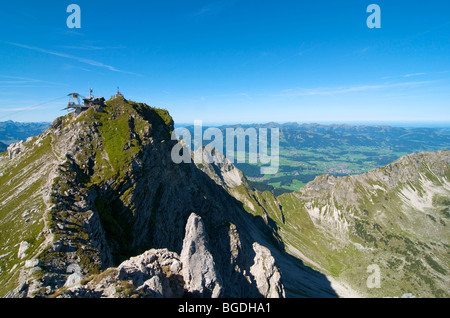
11, 132
310, 150
319, 135
299, 135
3, 147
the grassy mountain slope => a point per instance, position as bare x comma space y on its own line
394, 217
25, 184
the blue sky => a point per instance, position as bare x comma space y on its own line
231, 61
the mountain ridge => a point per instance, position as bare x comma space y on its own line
111, 192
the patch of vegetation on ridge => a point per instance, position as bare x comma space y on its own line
21, 211
124, 128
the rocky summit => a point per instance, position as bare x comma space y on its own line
95, 207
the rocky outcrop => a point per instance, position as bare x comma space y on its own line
212, 162
156, 273
267, 274
334, 202
161, 273
199, 269
22, 249
153, 274
15, 149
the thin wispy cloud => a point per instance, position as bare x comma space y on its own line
72, 32
18, 81
364, 50
72, 57
413, 74
16, 109
435, 28
428, 74
231, 95
212, 8
67, 67
303, 51
327, 91
16, 106
201, 11
92, 47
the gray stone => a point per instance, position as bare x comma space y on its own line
32, 263
56, 246
73, 279
199, 270
22, 249
218, 167
73, 268
266, 273
15, 149
155, 285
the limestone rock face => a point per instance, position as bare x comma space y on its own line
218, 167
22, 249
199, 269
161, 273
156, 273
153, 274
73, 279
15, 149
266, 273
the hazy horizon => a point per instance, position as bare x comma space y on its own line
411, 124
